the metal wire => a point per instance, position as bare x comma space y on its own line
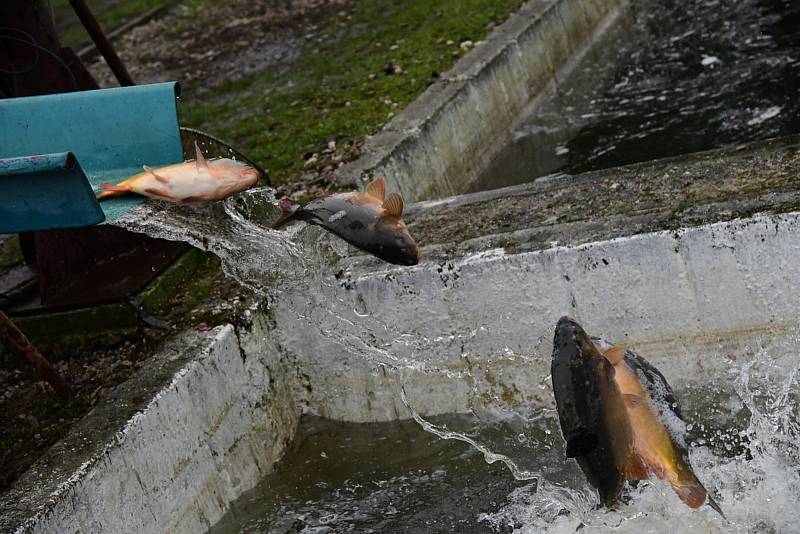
29, 40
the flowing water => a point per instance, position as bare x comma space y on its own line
718, 72
502, 467
400, 477
676, 76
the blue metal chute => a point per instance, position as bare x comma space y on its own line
111, 132
44, 193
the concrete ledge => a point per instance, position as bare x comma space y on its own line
472, 109
179, 458
684, 191
440, 328
473, 333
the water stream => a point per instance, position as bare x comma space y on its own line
504, 470
674, 77
719, 72
501, 467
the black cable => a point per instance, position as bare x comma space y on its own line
32, 42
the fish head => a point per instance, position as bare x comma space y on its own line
234, 176
392, 242
571, 342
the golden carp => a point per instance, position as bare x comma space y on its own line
650, 405
368, 220
200, 180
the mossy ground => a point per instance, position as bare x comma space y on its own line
360, 66
192, 294
110, 14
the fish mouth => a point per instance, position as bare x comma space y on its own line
570, 339
567, 328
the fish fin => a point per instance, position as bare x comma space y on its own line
189, 200
635, 469
615, 354
161, 193
393, 205
112, 190
693, 494
632, 401
715, 506
199, 158
580, 443
377, 188
157, 177
121, 187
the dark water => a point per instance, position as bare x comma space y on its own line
378, 477
676, 76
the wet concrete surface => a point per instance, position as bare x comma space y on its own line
688, 190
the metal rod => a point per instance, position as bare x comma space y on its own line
101, 42
46, 371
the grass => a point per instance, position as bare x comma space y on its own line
340, 88
10, 253
110, 14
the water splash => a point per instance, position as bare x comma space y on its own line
757, 484
237, 230
756, 480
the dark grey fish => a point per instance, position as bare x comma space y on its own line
369, 221
591, 411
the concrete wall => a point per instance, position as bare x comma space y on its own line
205, 438
472, 109
445, 325
466, 334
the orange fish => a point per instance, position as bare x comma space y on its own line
370, 221
649, 402
200, 180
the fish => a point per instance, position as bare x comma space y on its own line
656, 421
368, 220
591, 411
198, 180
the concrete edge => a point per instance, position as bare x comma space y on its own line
222, 408
469, 110
670, 291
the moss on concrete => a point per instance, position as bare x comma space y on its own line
683, 191
363, 65
10, 252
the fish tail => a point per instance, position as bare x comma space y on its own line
691, 493
112, 190
694, 494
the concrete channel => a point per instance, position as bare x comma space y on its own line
473, 108
671, 256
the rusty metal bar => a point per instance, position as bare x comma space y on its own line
46, 371
101, 42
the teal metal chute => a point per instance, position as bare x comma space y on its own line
110, 134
